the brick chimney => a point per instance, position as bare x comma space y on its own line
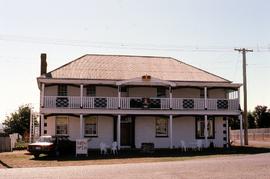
43, 66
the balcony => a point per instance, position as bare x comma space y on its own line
129, 103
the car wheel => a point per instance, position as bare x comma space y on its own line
36, 155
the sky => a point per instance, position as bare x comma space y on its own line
201, 33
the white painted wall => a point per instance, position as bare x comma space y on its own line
106, 91
50, 91
186, 93
217, 93
183, 129
218, 141
105, 132
145, 131
50, 125
73, 91
142, 92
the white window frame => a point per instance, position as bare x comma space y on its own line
85, 120
67, 118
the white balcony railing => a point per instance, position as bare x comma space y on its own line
74, 102
188, 103
222, 104
62, 101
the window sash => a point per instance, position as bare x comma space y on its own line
62, 90
90, 126
200, 127
61, 125
161, 127
91, 90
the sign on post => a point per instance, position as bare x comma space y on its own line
82, 146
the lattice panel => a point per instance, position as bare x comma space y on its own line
188, 103
62, 102
222, 104
100, 102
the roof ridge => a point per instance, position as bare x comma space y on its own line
146, 56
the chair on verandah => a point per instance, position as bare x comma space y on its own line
114, 148
199, 145
103, 148
183, 146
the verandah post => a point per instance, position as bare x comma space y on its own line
171, 132
205, 130
41, 124
118, 131
81, 126
81, 95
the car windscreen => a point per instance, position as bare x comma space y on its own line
45, 139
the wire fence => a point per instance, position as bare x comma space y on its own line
262, 134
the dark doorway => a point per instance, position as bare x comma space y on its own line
127, 135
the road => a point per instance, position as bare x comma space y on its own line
244, 166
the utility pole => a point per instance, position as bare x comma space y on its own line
243, 51
31, 127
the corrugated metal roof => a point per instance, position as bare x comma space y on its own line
122, 67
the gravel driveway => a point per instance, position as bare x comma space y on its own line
245, 166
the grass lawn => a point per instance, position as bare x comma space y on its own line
19, 159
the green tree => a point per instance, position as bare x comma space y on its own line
18, 121
262, 116
234, 122
251, 120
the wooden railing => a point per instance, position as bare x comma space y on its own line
74, 102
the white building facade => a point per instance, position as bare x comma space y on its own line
135, 100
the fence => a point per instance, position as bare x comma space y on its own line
5, 144
262, 134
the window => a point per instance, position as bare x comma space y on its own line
202, 93
161, 92
90, 126
123, 89
161, 127
61, 125
200, 127
62, 90
91, 91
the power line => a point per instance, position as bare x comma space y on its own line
112, 45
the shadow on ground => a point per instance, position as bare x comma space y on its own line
161, 153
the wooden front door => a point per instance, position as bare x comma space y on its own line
127, 131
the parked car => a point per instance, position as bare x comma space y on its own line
44, 145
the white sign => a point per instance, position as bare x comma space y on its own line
81, 146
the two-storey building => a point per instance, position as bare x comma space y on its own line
135, 100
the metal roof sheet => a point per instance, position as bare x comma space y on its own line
122, 67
